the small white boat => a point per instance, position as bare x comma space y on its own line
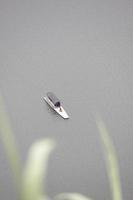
55, 104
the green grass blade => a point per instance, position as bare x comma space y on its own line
9, 144
71, 196
35, 169
111, 161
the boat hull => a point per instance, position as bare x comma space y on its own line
60, 110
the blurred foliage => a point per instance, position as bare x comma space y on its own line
35, 169
9, 143
71, 196
111, 161
29, 180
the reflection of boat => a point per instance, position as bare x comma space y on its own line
55, 103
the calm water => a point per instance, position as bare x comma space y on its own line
82, 51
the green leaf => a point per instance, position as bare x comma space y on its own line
8, 140
111, 161
71, 196
35, 169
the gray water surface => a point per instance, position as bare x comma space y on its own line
83, 52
